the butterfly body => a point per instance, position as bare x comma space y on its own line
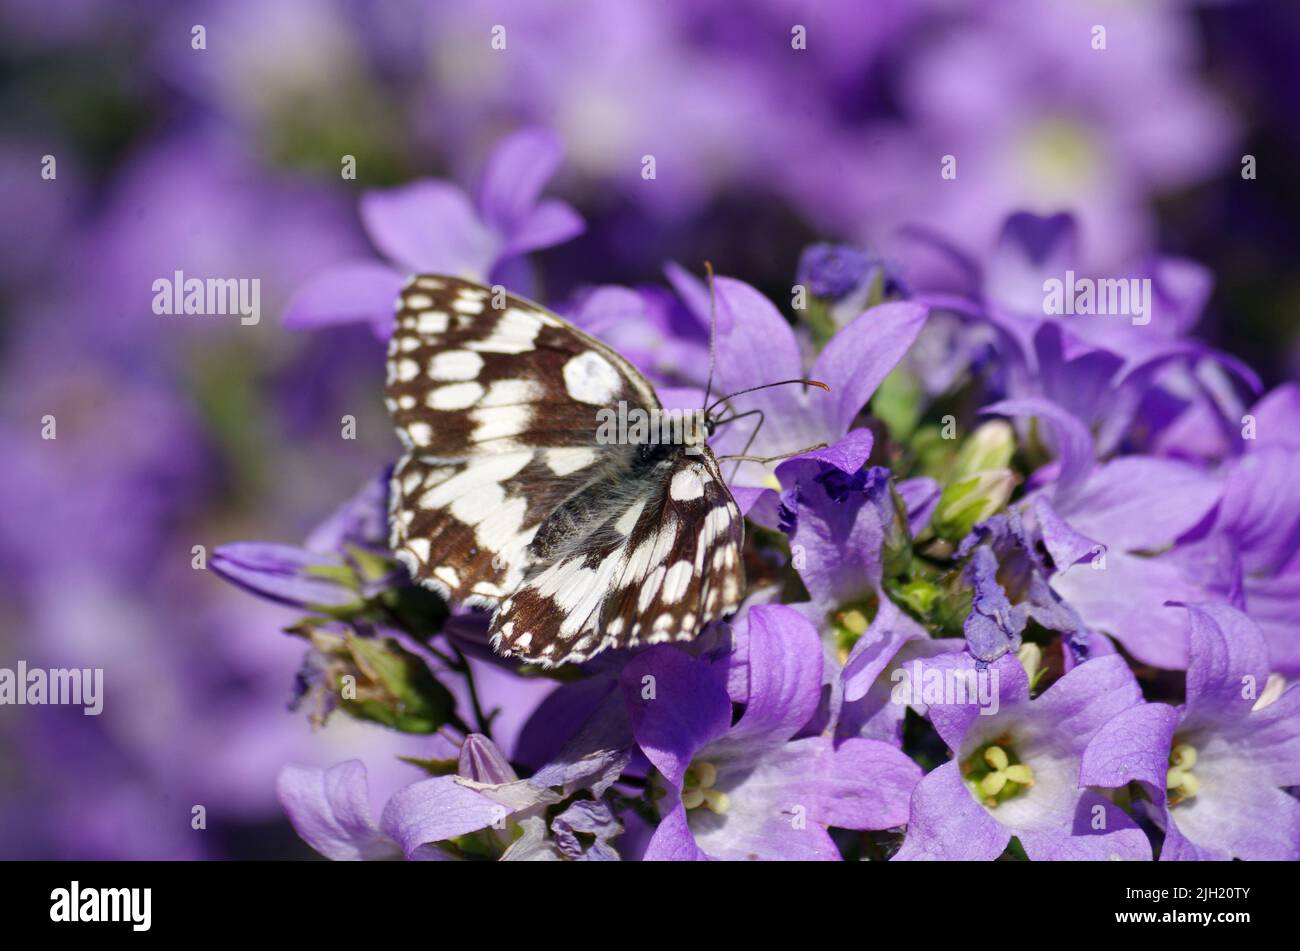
511, 496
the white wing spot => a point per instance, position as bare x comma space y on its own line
432, 322
590, 378
686, 485
512, 393
627, 521
565, 461
676, 581
455, 365
454, 396
515, 332
421, 433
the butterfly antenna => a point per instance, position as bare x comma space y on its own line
764, 386
784, 455
713, 324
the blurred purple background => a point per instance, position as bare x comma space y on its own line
176, 432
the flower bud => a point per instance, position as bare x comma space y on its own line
991, 446
969, 501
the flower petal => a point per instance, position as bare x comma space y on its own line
785, 678
1228, 666
282, 573
430, 226
516, 172
437, 809
1074, 448
673, 841
857, 359
947, 824
330, 810
677, 705
1101, 831
359, 291
1133, 746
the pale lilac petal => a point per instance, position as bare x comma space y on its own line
1101, 832
890, 629
953, 720
1261, 509
754, 343
1275, 419
1139, 504
437, 809
867, 784
1229, 664
858, 358
1272, 603
773, 809
784, 661
430, 227
1066, 546
672, 840
1081, 702
1271, 736
1127, 599
1073, 441
514, 176
947, 824
357, 292
1133, 746
330, 810
1235, 814
282, 573
677, 704
552, 222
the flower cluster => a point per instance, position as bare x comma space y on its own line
1035, 597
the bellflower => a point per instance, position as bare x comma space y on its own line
483, 809
756, 788
1212, 767
755, 345
1114, 513
1016, 772
433, 226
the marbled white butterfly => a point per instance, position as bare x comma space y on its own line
506, 496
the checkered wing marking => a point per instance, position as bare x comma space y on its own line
497, 411
664, 564
465, 378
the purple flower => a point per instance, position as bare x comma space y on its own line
1212, 768
756, 788
433, 226
1113, 514
755, 345
502, 815
1015, 772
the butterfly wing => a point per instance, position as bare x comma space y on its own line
497, 409
662, 565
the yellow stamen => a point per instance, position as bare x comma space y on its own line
996, 757
717, 801
1020, 774
992, 784
1183, 756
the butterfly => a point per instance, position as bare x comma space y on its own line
512, 495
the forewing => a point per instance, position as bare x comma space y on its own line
467, 378
497, 408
